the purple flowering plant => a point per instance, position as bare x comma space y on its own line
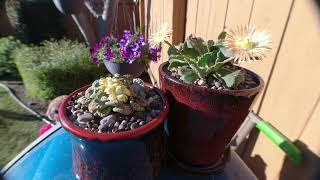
128, 48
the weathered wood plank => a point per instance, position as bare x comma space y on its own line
292, 91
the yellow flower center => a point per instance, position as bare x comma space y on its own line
245, 43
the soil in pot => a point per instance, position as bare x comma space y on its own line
206, 116
114, 122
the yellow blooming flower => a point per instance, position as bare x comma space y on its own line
160, 35
248, 43
115, 88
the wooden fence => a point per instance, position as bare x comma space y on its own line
290, 100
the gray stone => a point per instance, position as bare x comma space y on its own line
121, 126
141, 123
134, 125
217, 84
86, 117
108, 121
201, 82
116, 124
148, 118
133, 119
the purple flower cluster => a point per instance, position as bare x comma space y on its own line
129, 48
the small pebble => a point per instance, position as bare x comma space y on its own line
121, 126
148, 118
133, 119
201, 82
124, 122
213, 87
141, 123
116, 124
217, 84
77, 106
153, 114
107, 122
220, 88
134, 126
85, 117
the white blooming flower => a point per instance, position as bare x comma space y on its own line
160, 35
248, 43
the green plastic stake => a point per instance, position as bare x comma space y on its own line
278, 138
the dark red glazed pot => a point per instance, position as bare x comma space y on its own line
202, 121
125, 155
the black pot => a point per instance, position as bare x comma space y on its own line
135, 69
69, 6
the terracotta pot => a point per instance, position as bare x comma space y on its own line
202, 120
136, 153
135, 69
69, 6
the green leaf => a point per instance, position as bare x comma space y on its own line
188, 75
207, 59
234, 78
215, 68
197, 44
180, 58
188, 51
222, 35
176, 64
176, 61
172, 51
220, 56
210, 44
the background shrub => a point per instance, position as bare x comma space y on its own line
56, 68
7, 65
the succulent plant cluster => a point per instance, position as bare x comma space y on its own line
118, 94
196, 59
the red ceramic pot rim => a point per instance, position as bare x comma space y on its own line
80, 132
242, 92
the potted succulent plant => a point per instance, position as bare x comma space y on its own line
210, 94
116, 127
129, 54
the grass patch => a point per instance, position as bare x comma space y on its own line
18, 128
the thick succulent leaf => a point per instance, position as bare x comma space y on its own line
188, 51
207, 59
220, 56
172, 51
180, 58
197, 44
226, 52
210, 45
215, 68
176, 63
234, 78
188, 75
201, 72
222, 35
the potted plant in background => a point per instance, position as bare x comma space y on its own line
117, 128
209, 93
129, 54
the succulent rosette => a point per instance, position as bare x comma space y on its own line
128, 48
